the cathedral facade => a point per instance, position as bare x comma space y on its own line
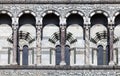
59, 38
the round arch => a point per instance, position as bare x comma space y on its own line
26, 12
75, 12
115, 15
6, 12
49, 12
6, 17
50, 17
99, 12
78, 16
116, 18
28, 15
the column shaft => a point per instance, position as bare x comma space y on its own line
62, 46
111, 35
87, 48
38, 42
14, 44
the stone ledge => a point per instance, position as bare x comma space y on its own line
101, 67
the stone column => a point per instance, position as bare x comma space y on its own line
95, 57
15, 29
11, 56
111, 35
53, 56
87, 45
21, 57
30, 57
38, 45
62, 35
115, 56
72, 56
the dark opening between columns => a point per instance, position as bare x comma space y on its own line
51, 19
5, 19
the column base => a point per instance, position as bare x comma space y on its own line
62, 63
111, 63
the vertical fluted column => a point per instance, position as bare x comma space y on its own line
111, 35
62, 35
87, 48
15, 27
38, 43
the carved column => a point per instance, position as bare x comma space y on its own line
38, 47
15, 29
62, 35
111, 35
87, 45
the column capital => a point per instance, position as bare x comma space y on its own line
110, 26
15, 26
87, 26
39, 27
15, 20
38, 21
87, 20
62, 27
62, 21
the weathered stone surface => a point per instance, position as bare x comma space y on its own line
59, 1
59, 71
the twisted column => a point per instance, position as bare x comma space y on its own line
87, 48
